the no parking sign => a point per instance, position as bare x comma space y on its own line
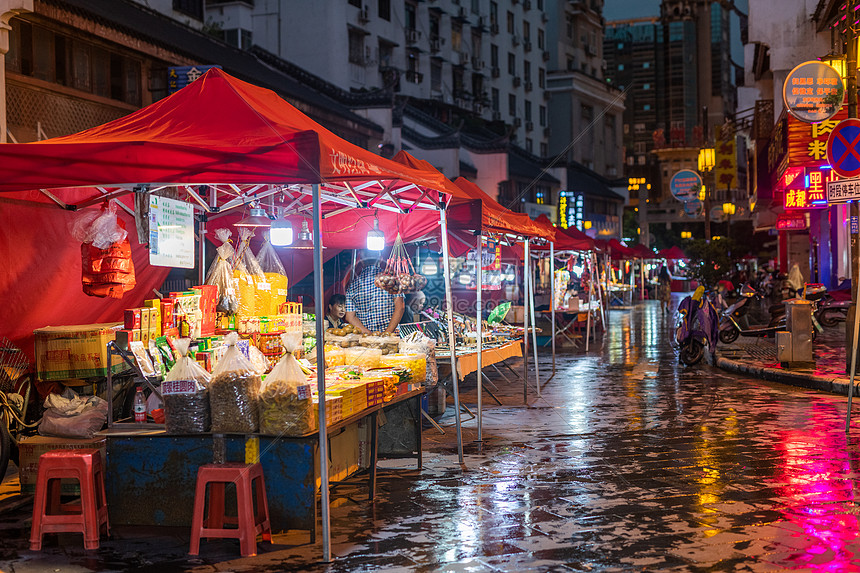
842, 148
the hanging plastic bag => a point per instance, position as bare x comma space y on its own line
286, 407
248, 274
106, 266
186, 394
221, 275
275, 274
233, 392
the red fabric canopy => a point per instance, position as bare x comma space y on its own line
570, 239
617, 250
216, 130
498, 219
673, 253
643, 252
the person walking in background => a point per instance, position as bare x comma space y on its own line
664, 288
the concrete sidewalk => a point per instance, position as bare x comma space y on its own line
757, 357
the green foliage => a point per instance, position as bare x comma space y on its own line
710, 262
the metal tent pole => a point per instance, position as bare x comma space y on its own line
604, 296
479, 319
201, 250
641, 279
552, 300
451, 338
534, 330
525, 322
588, 315
323, 434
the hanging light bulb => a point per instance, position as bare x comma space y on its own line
429, 267
375, 237
256, 218
304, 240
281, 233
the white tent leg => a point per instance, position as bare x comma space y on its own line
323, 434
525, 322
451, 339
479, 326
534, 330
552, 299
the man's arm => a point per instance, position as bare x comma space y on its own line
399, 307
353, 320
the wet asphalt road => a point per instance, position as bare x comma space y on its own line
627, 462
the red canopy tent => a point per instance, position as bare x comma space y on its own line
643, 252
673, 253
617, 250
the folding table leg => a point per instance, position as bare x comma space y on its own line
374, 450
487, 390
432, 421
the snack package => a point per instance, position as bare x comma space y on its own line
286, 407
186, 394
254, 290
417, 343
233, 392
275, 274
221, 275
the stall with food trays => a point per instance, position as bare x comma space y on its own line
215, 147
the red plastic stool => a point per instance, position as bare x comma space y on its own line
50, 516
250, 486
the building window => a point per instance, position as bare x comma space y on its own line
193, 8
386, 54
456, 36
620, 45
510, 22
494, 55
494, 17
527, 31
356, 46
411, 18
530, 148
512, 105
512, 64
646, 65
542, 115
541, 39
237, 37
620, 67
646, 86
495, 99
646, 107
544, 150
541, 78
436, 75
527, 71
528, 109
356, 3
384, 9
587, 113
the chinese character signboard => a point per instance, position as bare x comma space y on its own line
726, 168
810, 190
807, 143
171, 233
843, 191
180, 76
685, 185
791, 222
813, 92
570, 206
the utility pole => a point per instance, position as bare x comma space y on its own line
854, 211
706, 178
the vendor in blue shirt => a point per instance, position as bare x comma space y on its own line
368, 307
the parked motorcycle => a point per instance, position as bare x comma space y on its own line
731, 326
697, 327
833, 307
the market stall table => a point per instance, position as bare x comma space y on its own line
570, 321
150, 475
467, 362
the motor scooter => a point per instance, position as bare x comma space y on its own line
833, 307
697, 327
730, 324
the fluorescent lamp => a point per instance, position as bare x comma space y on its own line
281, 233
375, 238
429, 267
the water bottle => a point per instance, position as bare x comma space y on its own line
139, 406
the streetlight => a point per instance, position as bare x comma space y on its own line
642, 188
707, 160
729, 210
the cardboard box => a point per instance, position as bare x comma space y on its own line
515, 315
78, 351
208, 301
167, 321
124, 337
31, 448
573, 304
132, 319
144, 319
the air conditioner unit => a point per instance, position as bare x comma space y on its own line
435, 44
364, 15
528, 86
412, 35
464, 58
518, 122
515, 40
530, 126
546, 56
477, 107
517, 81
494, 28
497, 115
495, 72
477, 63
